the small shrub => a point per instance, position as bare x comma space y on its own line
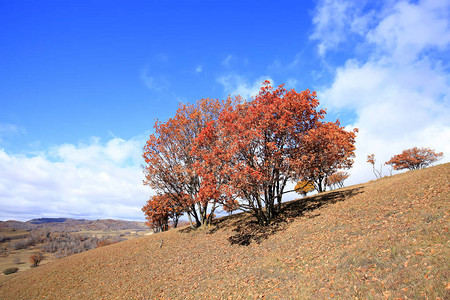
303, 187
10, 270
103, 243
36, 259
17, 260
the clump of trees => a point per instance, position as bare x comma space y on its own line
242, 154
63, 244
36, 237
336, 180
60, 243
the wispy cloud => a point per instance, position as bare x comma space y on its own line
154, 82
199, 69
93, 180
291, 83
239, 85
227, 61
7, 129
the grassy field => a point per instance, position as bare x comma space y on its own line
23, 255
386, 239
13, 233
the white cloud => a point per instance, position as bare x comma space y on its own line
412, 28
94, 180
199, 69
400, 92
239, 85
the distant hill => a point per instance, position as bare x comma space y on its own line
68, 224
385, 239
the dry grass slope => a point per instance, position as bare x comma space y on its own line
386, 239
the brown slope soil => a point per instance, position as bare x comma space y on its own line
385, 239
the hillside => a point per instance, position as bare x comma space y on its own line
385, 239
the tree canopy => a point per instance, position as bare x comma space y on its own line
170, 161
241, 154
159, 209
414, 158
326, 149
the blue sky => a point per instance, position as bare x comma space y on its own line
82, 82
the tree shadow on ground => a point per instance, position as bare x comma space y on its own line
222, 222
248, 230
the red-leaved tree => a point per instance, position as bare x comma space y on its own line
415, 158
170, 161
257, 147
242, 154
159, 209
36, 259
324, 150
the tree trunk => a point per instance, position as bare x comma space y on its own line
190, 221
175, 221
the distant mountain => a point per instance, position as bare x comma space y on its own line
47, 220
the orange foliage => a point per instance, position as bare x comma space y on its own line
371, 159
242, 154
231, 205
415, 158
